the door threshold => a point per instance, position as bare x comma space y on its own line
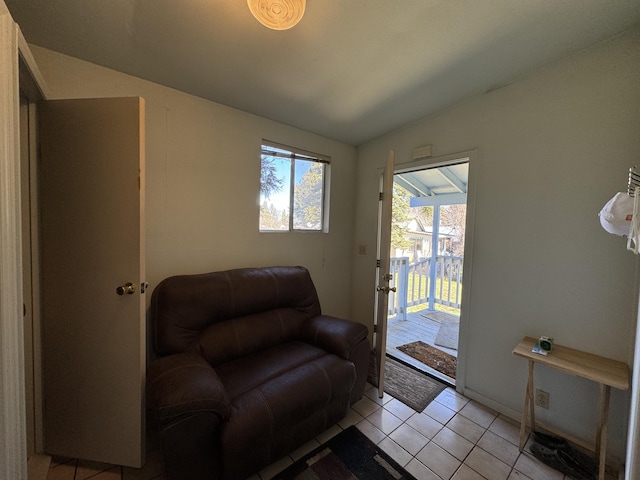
422, 368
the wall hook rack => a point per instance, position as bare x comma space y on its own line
634, 181
633, 189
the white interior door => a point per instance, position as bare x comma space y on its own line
384, 276
92, 198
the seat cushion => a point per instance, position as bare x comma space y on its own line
292, 393
238, 337
246, 373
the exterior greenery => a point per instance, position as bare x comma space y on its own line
289, 183
419, 287
308, 197
412, 255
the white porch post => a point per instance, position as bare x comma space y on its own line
435, 232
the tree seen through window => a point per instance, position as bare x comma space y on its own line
291, 181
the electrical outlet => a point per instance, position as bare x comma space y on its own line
542, 398
362, 250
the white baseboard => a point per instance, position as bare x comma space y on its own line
498, 407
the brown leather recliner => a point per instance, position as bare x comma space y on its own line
248, 369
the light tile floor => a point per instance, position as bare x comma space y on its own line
454, 438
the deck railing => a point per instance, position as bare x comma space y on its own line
425, 282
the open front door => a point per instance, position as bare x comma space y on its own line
384, 247
92, 203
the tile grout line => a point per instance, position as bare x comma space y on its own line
454, 401
475, 444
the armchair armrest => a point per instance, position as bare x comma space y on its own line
190, 403
336, 335
185, 383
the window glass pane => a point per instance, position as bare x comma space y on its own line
275, 193
308, 195
292, 189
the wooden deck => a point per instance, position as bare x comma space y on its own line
415, 327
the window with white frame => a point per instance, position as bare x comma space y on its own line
293, 187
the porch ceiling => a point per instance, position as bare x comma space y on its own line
443, 185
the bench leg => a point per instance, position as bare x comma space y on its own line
603, 423
529, 407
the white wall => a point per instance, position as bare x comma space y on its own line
552, 149
203, 171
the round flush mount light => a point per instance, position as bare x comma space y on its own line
277, 14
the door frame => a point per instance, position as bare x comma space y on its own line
474, 165
18, 71
33, 87
13, 448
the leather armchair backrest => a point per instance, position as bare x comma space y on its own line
222, 315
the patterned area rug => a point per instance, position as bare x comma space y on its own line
349, 455
407, 384
436, 359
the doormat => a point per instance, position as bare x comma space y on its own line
407, 384
448, 335
350, 455
431, 356
440, 317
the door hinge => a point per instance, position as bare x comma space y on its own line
375, 328
378, 263
381, 195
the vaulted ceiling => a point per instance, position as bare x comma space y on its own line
351, 70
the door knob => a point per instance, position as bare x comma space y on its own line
128, 288
386, 289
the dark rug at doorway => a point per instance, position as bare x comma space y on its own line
347, 456
407, 384
431, 356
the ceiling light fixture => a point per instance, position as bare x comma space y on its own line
277, 14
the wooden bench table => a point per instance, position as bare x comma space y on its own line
604, 371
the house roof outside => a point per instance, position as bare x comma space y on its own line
416, 229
